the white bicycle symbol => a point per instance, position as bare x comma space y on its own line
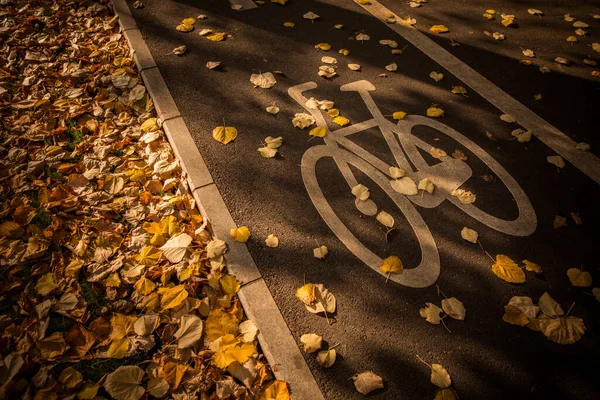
447, 175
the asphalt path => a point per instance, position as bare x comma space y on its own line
377, 324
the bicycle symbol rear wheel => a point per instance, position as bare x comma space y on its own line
428, 270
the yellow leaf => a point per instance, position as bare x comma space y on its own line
537, 97
289, 24
46, 284
306, 294
173, 297
229, 284
312, 342
220, 323
189, 21
121, 325
514, 316
341, 121
391, 265
144, 286
70, 377
526, 62
363, 2
507, 270
533, 267
579, 278
572, 39
184, 27
231, 350
276, 390
439, 376
119, 348
562, 330
431, 313
435, 112
344, 52
150, 125
113, 280
88, 391
488, 16
398, 115
438, 29
224, 134
437, 153
216, 37
445, 394
459, 90
149, 256
323, 46
282, 2
396, 51
326, 358
334, 112
318, 132
241, 234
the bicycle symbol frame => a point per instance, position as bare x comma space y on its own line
447, 175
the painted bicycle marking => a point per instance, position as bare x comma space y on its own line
448, 175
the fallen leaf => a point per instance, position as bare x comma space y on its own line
514, 316
361, 192
272, 110
426, 185
310, 15
391, 265
454, 308
437, 153
436, 76
459, 90
579, 278
445, 394
276, 390
556, 160
533, 11
440, 376
232, 349
303, 120
324, 302
405, 186
265, 80
391, 67
533, 267
560, 222
174, 249
320, 252
435, 112
498, 36
362, 37
354, 67
319, 131
565, 330
241, 234
537, 97
465, 197
549, 306
525, 305
225, 134
189, 332
248, 330
341, 121
216, 37
289, 24
344, 52
431, 313
312, 342
521, 135
326, 358
399, 115
213, 64
125, 383
385, 219
306, 294
438, 29
469, 235
506, 269
367, 381
396, 172
173, 297
272, 241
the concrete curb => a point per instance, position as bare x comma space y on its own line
276, 340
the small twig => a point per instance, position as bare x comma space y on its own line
572, 305
443, 323
423, 361
440, 291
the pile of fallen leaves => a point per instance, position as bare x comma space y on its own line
110, 282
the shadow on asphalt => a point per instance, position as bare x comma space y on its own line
377, 324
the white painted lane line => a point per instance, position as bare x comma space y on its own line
586, 162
